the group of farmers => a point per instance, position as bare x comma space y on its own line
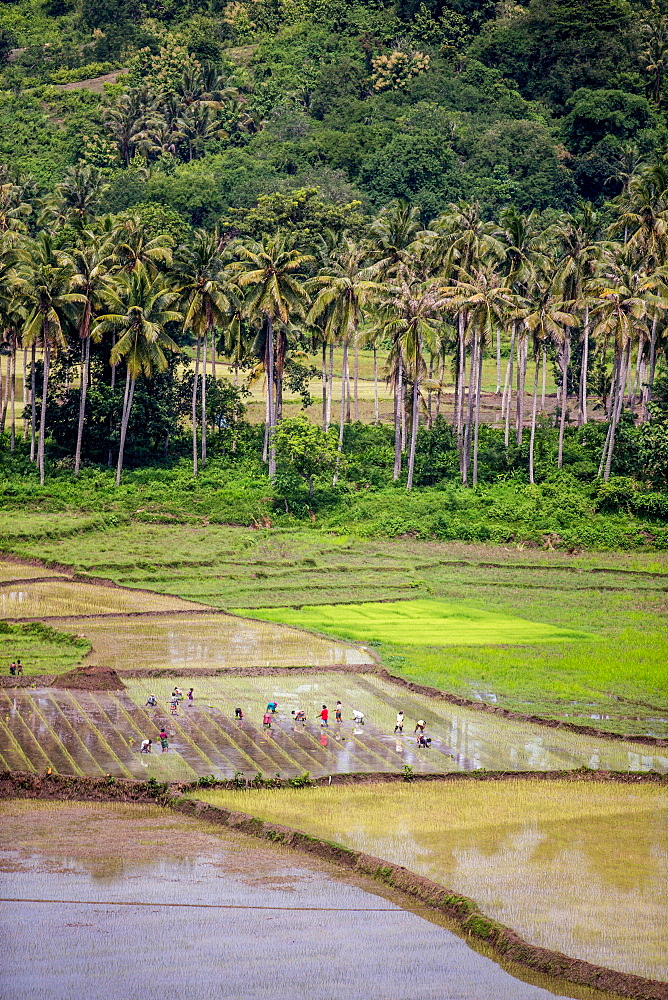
298, 716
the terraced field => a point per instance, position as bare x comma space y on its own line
76, 732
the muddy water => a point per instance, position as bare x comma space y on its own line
211, 641
223, 917
577, 869
76, 732
56, 599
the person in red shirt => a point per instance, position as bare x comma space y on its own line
324, 716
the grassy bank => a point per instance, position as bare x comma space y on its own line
42, 650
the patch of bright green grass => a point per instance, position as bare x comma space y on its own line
418, 623
41, 649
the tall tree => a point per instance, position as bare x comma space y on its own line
200, 275
269, 272
42, 282
89, 267
139, 308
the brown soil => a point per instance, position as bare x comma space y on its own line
90, 678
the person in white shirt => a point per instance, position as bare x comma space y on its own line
358, 717
399, 728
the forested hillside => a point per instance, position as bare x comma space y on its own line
431, 101
348, 246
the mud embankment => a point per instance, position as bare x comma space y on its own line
464, 911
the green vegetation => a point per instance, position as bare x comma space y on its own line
615, 680
463, 203
42, 650
421, 623
511, 846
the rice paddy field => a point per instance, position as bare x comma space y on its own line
98, 733
615, 676
119, 890
579, 868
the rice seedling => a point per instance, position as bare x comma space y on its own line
418, 622
560, 863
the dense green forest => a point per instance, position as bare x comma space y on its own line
295, 191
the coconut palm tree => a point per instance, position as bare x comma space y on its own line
269, 273
200, 276
89, 266
621, 301
578, 252
487, 301
139, 308
341, 292
548, 319
410, 314
42, 283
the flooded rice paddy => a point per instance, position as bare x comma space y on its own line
111, 902
578, 868
24, 571
214, 641
95, 733
62, 598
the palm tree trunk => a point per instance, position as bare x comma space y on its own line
344, 386
498, 360
376, 416
270, 390
468, 428
42, 415
213, 354
534, 407
565, 361
330, 392
323, 379
25, 393
458, 416
623, 369
430, 419
111, 415
478, 393
584, 371
402, 401
441, 380
508, 394
85, 374
203, 402
33, 401
4, 394
521, 378
356, 373
542, 393
647, 391
415, 415
342, 420
12, 389
398, 394
125, 420
193, 413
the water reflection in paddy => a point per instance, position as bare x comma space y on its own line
574, 867
209, 641
76, 732
57, 598
197, 923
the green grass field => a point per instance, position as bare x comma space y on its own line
616, 680
417, 623
42, 650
